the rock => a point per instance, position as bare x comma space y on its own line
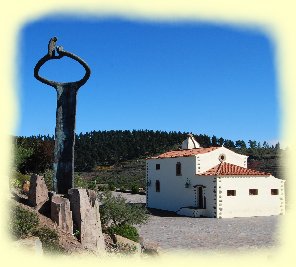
32, 244
86, 218
60, 213
126, 245
150, 248
38, 193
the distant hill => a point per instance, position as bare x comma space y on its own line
117, 148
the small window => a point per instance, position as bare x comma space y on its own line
157, 186
253, 192
157, 166
274, 192
222, 157
178, 168
231, 193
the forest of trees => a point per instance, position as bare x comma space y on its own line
34, 154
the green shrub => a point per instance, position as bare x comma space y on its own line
135, 189
92, 184
17, 179
21, 156
125, 230
102, 187
48, 175
111, 186
79, 181
123, 188
49, 239
22, 222
116, 211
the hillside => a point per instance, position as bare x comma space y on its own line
122, 175
118, 157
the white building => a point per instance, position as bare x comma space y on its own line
211, 182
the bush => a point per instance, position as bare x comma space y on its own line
125, 230
17, 179
123, 188
102, 187
79, 181
111, 186
115, 211
23, 222
135, 189
49, 239
21, 156
48, 176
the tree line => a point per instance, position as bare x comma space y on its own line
35, 154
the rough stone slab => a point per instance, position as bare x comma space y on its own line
61, 213
38, 192
86, 218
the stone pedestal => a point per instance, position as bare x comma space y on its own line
86, 218
38, 193
61, 213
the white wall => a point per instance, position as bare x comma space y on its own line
245, 205
173, 193
209, 160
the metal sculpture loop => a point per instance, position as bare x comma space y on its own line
63, 166
61, 53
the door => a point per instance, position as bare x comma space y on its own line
200, 198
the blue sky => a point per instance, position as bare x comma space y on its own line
172, 76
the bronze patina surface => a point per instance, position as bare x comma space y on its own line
65, 118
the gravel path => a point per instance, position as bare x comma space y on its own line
172, 232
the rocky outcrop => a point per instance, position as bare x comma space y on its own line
86, 218
38, 192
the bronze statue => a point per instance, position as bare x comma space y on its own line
63, 166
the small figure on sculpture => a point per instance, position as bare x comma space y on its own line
52, 46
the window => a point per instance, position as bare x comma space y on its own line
274, 191
222, 157
231, 193
178, 168
253, 192
157, 166
157, 186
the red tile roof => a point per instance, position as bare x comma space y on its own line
185, 152
231, 169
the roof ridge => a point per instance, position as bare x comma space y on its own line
185, 152
225, 168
